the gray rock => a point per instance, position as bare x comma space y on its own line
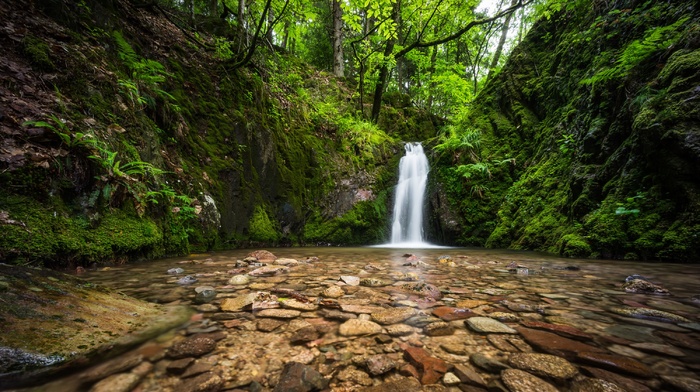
189, 279
488, 325
489, 364
176, 271
204, 294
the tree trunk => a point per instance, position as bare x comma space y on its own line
384, 70
501, 43
189, 5
338, 57
270, 20
240, 18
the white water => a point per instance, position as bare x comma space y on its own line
407, 227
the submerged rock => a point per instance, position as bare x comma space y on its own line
648, 313
521, 381
189, 279
643, 286
488, 325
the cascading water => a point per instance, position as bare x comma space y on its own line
407, 228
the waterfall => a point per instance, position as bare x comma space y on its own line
407, 227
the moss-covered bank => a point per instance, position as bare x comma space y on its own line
118, 146
588, 139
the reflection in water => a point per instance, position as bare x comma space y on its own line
521, 288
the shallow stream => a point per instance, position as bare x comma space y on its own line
563, 307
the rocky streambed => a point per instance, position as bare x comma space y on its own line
388, 320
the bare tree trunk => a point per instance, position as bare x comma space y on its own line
501, 43
338, 57
241, 25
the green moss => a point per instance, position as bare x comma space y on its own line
38, 52
573, 245
261, 228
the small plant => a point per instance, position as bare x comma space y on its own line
566, 143
631, 205
70, 140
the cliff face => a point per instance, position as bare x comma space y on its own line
123, 136
597, 118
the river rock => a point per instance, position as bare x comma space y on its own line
121, 382
439, 328
664, 349
304, 334
451, 380
488, 325
519, 381
175, 271
269, 270
504, 317
489, 364
624, 382
683, 384
356, 327
179, 365
194, 346
278, 313
431, 369
204, 294
648, 313
468, 375
399, 330
263, 256
298, 305
471, 303
595, 385
392, 315
287, 262
207, 382
350, 280
559, 329
185, 280
297, 377
556, 345
379, 364
544, 365
239, 280
643, 286
333, 292
404, 384
422, 289
448, 313
239, 303
616, 363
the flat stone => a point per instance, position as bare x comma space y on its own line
455, 348
295, 304
616, 363
354, 376
439, 328
626, 383
544, 365
268, 324
683, 340
350, 280
659, 348
468, 375
179, 365
287, 262
489, 364
559, 329
488, 325
333, 292
504, 317
595, 385
269, 270
392, 315
278, 313
207, 382
653, 314
448, 313
431, 368
239, 280
360, 309
239, 303
520, 381
634, 333
399, 330
554, 344
197, 369
671, 306
355, 327
450, 379
262, 255
684, 384
305, 334
693, 326
471, 303
194, 346
120, 382
554, 296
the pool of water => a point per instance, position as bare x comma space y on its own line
641, 341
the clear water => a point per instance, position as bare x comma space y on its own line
580, 298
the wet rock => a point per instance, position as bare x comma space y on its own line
642, 286
239, 303
422, 289
185, 280
683, 340
634, 333
520, 381
468, 375
683, 384
508, 343
488, 325
489, 364
287, 262
178, 366
207, 382
421, 319
616, 363
268, 324
278, 313
175, 271
544, 365
121, 382
471, 303
448, 313
239, 280
392, 315
617, 379
204, 294
653, 314
360, 309
379, 364
112, 366
269, 270
298, 305
194, 346
504, 317
333, 292
399, 330
559, 329
297, 377
450, 379
405, 384
263, 256
556, 345
693, 326
304, 334
354, 376
356, 327
440, 328
337, 315
455, 348
431, 369
595, 385
305, 357
664, 349
374, 282
350, 280
197, 369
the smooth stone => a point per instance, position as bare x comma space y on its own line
450, 379
262, 255
269, 270
392, 315
471, 303
504, 317
431, 368
287, 262
554, 344
544, 365
268, 324
468, 375
399, 330
683, 340
508, 343
121, 382
448, 313
520, 381
654, 314
197, 369
356, 327
634, 333
554, 296
439, 328
488, 325
404, 384
278, 313
626, 383
239, 280
360, 309
659, 348
333, 292
175, 271
194, 346
595, 385
350, 280
683, 384
693, 326
651, 323
563, 330
239, 303
617, 363
489, 364
672, 306
298, 305
455, 348
179, 365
